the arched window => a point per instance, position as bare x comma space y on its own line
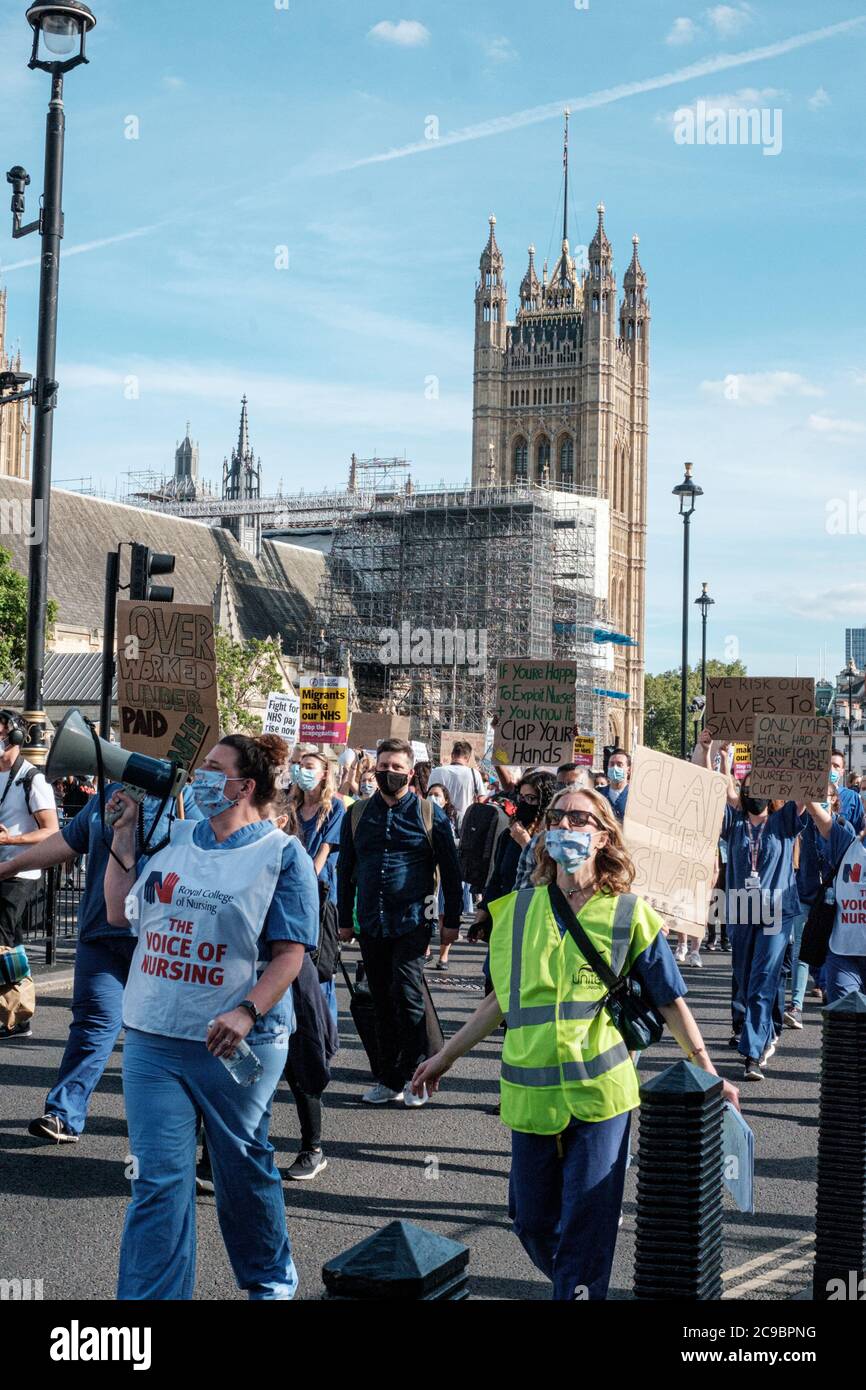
595, 303
566, 461
542, 458
486, 313
614, 480
626, 480
521, 453
630, 329
496, 313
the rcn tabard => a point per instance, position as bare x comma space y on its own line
673, 818
166, 680
535, 713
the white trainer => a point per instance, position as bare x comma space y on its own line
380, 1095
694, 958
409, 1097
767, 1053
680, 953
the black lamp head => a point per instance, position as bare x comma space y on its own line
60, 27
687, 491
703, 600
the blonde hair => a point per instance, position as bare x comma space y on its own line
329, 789
614, 870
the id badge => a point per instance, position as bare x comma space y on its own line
753, 881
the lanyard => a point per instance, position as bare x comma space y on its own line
754, 845
13, 773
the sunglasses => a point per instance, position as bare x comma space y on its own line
573, 820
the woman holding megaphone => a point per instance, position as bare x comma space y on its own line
223, 915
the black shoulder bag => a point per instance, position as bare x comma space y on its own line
637, 1022
821, 920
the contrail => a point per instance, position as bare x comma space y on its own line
500, 125
66, 251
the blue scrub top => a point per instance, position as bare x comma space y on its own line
313, 836
817, 857
851, 808
775, 864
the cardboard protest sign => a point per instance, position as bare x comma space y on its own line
584, 752
536, 712
283, 716
166, 680
324, 709
673, 818
742, 760
449, 737
420, 751
791, 757
733, 702
366, 730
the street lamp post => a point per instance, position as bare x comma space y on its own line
852, 672
59, 34
704, 602
687, 491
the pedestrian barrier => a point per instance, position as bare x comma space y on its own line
52, 914
400, 1261
840, 1222
679, 1186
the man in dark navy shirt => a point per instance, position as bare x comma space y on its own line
389, 852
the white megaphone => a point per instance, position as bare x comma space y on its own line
74, 753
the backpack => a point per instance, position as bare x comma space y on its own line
327, 952
478, 835
25, 782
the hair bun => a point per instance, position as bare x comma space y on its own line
274, 748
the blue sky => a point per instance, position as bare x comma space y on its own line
262, 127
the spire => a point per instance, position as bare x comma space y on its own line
635, 274
244, 432
530, 289
565, 174
491, 256
600, 241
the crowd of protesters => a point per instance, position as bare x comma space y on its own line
210, 932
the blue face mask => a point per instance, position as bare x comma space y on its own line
835, 776
294, 769
825, 805
208, 788
308, 778
570, 848
616, 774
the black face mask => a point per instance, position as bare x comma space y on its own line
392, 782
526, 813
754, 805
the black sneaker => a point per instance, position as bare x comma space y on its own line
725, 943
21, 1030
734, 1040
307, 1165
51, 1127
751, 1071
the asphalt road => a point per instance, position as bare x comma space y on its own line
444, 1166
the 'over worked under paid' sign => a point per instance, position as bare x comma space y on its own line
791, 757
166, 680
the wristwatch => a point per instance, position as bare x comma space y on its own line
251, 1009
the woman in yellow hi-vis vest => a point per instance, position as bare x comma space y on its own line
568, 1084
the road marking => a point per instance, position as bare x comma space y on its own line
771, 1255
772, 1277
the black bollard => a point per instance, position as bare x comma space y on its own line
679, 1186
403, 1262
840, 1221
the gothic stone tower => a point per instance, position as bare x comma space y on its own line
242, 480
14, 419
561, 398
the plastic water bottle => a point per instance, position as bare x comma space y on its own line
243, 1066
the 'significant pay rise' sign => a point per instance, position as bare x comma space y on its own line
283, 716
733, 702
535, 699
166, 680
324, 709
672, 822
791, 757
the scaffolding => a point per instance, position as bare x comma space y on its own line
427, 590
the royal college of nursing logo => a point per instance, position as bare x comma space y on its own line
160, 888
851, 873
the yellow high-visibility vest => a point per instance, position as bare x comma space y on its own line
562, 1055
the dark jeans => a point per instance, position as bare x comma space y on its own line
15, 894
395, 970
309, 1112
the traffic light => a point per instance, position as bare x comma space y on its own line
145, 564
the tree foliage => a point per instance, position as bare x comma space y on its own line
247, 672
13, 619
662, 703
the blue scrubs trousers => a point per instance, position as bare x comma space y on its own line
757, 957
167, 1083
566, 1209
844, 973
799, 969
101, 968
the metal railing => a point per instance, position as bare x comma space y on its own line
51, 915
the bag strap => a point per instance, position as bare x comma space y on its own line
346, 976
609, 977
356, 811
831, 876
13, 773
26, 785
427, 819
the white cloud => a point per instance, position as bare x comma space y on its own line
844, 601
746, 97
173, 84
517, 120
837, 430
729, 19
760, 388
79, 250
406, 33
819, 98
499, 50
682, 31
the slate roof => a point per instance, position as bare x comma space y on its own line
71, 678
274, 595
